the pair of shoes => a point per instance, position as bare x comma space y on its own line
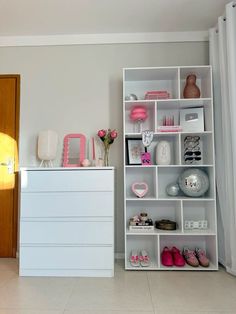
172, 257
142, 258
196, 257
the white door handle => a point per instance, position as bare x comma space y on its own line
9, 164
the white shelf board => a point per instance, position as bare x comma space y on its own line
183, 166
172, 232
140, 199
188, 267
186, 198
155, 232
168, 166
199, 232
153, 266
140, 166
139, 135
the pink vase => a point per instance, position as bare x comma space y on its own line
191, 90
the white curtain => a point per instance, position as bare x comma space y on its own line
223, 61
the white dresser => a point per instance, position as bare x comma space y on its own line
67, 222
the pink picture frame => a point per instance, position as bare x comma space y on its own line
82, 148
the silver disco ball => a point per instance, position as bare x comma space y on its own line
193, 182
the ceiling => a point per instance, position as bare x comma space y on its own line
68, 17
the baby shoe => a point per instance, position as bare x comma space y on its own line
190, 257
177, 257
201, 256
166, 257
134, 259
144, 258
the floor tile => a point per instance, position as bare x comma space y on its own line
119, 265
105, 312
192, 312
36, 293
5, 276
179, 312
7, 311
192, 291
9, 264
126, 291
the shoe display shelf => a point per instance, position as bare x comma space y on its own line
157, 203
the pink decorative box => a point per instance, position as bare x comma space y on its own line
150, 95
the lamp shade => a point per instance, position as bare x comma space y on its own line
47, 145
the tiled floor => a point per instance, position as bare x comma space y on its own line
128, 292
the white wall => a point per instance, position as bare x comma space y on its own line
78, 89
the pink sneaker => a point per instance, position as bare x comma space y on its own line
166, 257
177, 257
190, 257
201, 256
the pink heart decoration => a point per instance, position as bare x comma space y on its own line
140, 188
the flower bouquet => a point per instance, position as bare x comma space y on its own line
107, 137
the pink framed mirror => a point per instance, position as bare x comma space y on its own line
74, 150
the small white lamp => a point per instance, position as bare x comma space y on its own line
47, 147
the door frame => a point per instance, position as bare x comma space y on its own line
16, 192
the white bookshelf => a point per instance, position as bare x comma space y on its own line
157, 203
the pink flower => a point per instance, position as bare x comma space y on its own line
113, 134
101, 133
107, 137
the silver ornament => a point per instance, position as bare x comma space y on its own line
193, 182
173, 189
131, 97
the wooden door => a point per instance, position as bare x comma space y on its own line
9, 129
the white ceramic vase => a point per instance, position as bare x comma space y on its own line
163, 153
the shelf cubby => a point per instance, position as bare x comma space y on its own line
167, 175
141, 174
205, 242
201, 210
146, 242
203, 80
148, 124
173, 140
156, 210
206, 149
140, 80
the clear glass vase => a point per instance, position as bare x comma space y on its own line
106, 156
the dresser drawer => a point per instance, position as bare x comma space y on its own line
66, 232
66, 257
67, 180
69, 204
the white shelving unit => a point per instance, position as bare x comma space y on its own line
156, 202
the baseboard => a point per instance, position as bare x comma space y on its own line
119, 255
